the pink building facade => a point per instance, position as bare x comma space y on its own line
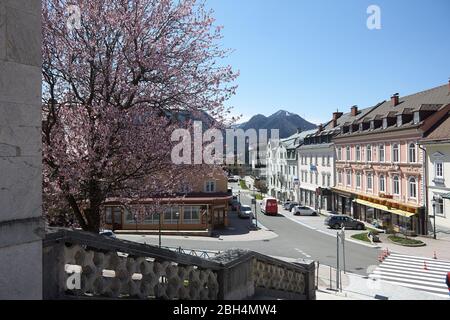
380, 175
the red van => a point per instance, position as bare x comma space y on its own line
269, 206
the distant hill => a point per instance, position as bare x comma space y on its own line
287, 122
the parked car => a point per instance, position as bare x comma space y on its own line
303, 211
289, 205
235, 205
108, 233
339, 221
269, 206
245, 212
233, 179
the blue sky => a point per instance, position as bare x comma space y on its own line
314, 57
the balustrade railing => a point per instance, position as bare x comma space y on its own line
81, 265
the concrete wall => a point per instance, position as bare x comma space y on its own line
20, 150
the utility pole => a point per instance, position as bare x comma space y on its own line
337, 261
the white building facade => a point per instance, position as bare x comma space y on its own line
316, 170
437, 146
282, 167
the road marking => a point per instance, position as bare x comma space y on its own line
302, 252
408, 271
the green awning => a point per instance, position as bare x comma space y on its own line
446, 196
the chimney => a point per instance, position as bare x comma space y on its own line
395, 99
333, 123
354, 111
337, 115
320, 128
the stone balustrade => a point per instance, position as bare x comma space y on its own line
82, 265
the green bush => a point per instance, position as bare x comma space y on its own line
361, 237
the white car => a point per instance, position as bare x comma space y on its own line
303, 211
245, 212
108, 233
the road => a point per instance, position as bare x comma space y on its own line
293, 241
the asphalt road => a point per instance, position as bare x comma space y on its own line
293, 241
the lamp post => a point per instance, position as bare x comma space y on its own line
160, 229
434, 216
256, 214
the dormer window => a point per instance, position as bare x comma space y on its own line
361, 127
416, 117
399, 120
385, 123
372, 124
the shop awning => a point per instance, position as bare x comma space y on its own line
385, 208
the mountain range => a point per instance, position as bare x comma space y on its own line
287, 122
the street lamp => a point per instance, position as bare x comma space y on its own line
434, 216
178, 220
160, 229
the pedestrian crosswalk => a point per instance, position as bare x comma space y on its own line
414, 272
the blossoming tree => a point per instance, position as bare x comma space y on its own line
114, 76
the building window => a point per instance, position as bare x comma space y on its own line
151, 217
329, 180
381, 153
210, 186
348, 155
416, 117
399, 120
382, 184
396, 153
349, 178
339, 153
396, 185
385, 123
358, 153
412, 153
323, 180
439, 170
369, 153
358, 180
439, 205
339, 177
191, 215
316, 178
369, 181
108, 215
170, 215
412, 188
328, 161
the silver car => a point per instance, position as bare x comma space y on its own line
303, 211
245, 212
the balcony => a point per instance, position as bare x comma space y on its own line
81, 265
439, 182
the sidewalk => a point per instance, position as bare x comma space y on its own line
356, 287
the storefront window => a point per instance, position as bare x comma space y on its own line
191, 215
170, 215
108, 215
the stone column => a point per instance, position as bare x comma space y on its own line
20, 150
